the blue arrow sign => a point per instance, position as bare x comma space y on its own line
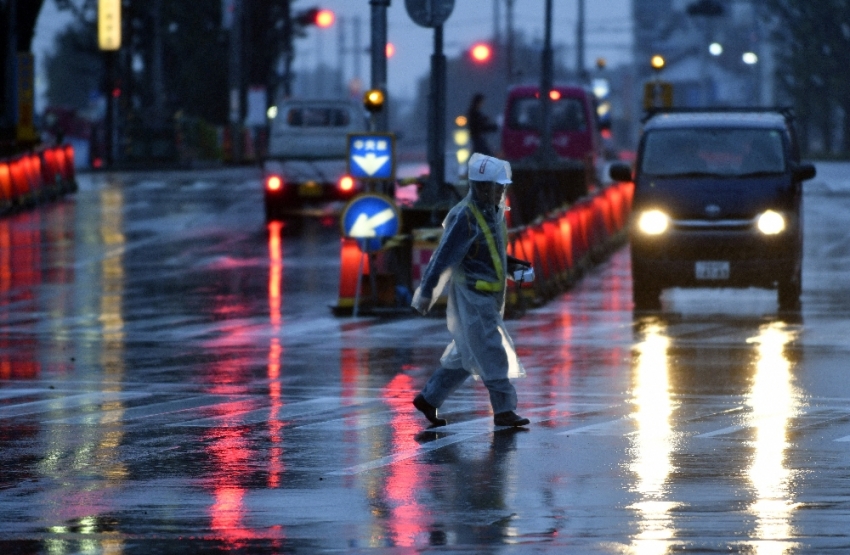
370, 218
371, 155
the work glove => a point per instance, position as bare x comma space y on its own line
421, 304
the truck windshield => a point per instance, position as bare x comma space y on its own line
309, 116
727, 152
567, 114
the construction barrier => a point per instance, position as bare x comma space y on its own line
561, 247
566, 244
35, 177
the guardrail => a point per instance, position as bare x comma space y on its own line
34, 177
561, 246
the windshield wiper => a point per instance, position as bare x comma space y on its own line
761, 173
691, 174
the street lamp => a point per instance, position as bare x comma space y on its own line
750, 58
657, 62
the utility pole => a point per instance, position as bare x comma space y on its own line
287, 49
437, 120
157, 69
10, 96
545, 151
235, 82
357, 51
432, 14
379, 58
340, 61
580, 69
509, 45
497, 23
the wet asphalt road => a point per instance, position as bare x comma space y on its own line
173, 381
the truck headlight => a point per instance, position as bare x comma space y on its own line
771, 223
653, 222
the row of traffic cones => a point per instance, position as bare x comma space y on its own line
562, 246
35, 177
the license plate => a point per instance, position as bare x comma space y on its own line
310, 189
712, 270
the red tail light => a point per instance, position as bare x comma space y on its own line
346, 183
274, 183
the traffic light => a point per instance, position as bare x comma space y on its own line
461, 138
315, 16
658, 62
325, 18
373, 100
481, 52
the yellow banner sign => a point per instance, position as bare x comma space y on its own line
109, 24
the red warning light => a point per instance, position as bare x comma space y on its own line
390, 50
346, 183
325, 18
555, 95
481, 52
274, 183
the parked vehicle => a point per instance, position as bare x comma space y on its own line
717, 203
306, 160
543, 186
575, 129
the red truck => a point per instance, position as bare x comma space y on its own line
576, 140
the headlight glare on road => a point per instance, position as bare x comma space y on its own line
771, 223
653, 222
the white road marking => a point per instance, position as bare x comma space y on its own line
68, 402
146, 411
459, 432
595, 427
723, 431
286, 411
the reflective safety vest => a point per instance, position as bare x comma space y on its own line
490, 286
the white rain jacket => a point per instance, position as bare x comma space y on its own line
472, 261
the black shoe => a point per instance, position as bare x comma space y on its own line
430, 412
510, 418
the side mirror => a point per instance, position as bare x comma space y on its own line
619, 171
804, 171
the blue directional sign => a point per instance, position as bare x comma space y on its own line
371, 155
370, 218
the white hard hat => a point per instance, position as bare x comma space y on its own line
487, 168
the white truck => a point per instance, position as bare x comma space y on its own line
306, 162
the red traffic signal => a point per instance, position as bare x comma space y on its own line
315, 16
325, 18
481, 52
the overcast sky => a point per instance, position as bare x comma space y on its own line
608, 34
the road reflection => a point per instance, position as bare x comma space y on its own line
652, 444
770, 402
406, 518
773, 401
275, 424
95, 447
20, 274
